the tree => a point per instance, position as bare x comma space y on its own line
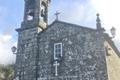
6, 72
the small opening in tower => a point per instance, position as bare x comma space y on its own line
43, 11
30, 15
43, 8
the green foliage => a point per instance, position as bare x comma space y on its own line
6, 72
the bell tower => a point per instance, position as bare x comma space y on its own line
36, 13
35, 20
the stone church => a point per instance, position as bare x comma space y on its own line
61, 50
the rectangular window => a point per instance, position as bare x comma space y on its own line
57, 51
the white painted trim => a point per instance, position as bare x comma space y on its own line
55, 44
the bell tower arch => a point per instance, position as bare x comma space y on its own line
36, 12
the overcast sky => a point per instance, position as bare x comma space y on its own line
82, 12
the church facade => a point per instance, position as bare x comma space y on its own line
59, 51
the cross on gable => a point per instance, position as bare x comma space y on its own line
57, 14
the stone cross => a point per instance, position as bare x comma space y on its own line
56, 64
57, 14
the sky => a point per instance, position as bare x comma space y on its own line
81, 12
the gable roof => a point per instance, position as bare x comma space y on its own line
66, 23
74, 25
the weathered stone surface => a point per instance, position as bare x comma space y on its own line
83, 53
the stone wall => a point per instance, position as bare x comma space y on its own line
113, 63
26, 55
83, 53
